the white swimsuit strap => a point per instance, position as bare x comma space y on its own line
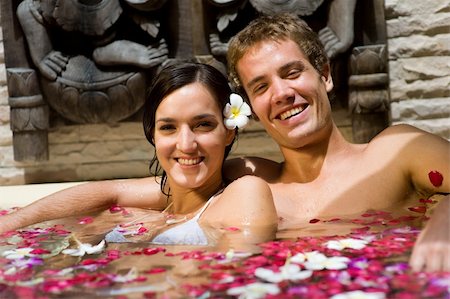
197, 216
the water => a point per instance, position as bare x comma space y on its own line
141, 270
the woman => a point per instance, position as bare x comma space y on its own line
184, 121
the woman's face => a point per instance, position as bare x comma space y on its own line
190, 137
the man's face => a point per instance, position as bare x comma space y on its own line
287, 93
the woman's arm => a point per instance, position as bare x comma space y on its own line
87, 198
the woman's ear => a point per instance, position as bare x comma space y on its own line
326, 77
230, 136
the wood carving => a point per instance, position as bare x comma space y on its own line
91, 67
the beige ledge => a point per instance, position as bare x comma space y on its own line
21, 195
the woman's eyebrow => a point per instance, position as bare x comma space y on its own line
197, 117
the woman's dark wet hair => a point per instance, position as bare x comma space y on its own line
172, 78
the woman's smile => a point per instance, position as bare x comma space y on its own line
189, 161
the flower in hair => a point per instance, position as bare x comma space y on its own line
236, 112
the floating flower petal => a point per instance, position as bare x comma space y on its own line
85, 248
254, 290
359, 295
346, 243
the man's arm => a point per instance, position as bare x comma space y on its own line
432, 249
87, 198
427, 162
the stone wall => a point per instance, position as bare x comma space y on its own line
420, 76
419, 63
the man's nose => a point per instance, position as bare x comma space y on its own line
281, 91
186, 140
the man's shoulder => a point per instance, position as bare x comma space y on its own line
400, 133
261, 167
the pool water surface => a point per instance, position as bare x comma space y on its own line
356, 256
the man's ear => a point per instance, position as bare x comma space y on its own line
326, 77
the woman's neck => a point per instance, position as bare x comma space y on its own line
186, 201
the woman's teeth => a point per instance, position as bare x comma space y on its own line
189, 161
292, 112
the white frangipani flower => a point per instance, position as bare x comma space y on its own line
254, 290
129, 277
236, 112
85, 248
18, 253
287, 272
346, 243
319, 261
359, 295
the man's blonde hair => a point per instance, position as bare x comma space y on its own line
276, 28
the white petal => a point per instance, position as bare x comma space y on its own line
245, 109
301, 275
74, 252
298, 258
227, 110
95, 249
241, 121
313, 266
334, 245
263, 273
230, 123
236, 100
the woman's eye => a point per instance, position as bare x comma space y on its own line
205, 124
166, 127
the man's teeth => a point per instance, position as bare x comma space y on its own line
189, 161
287, 114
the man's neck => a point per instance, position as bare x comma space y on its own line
305, 164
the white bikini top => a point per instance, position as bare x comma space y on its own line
186, 233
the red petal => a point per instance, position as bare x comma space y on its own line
232, 228
436, 178
115, 209
419, 209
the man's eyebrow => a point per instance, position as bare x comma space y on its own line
254, 81
290, 65
284, 68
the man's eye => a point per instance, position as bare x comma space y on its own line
293, 74
259, 88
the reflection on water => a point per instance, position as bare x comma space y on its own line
373, 250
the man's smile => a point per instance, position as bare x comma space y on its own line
292, 112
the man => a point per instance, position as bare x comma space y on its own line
278, 63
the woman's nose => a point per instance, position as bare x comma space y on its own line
186, 140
